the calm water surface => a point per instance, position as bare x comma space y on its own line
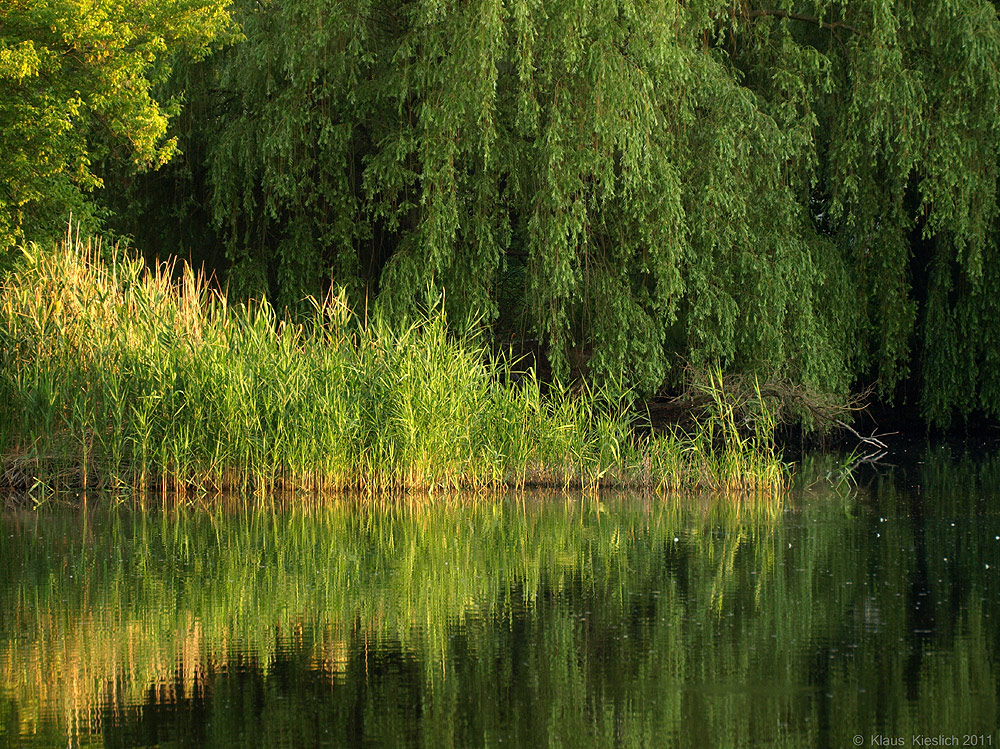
551, 621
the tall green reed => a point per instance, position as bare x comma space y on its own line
126, 377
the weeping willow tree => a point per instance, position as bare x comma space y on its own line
805, 190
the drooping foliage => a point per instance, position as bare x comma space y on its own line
799, 189
76, 86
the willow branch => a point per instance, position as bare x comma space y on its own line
800, 17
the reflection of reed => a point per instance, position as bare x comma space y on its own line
407, 572
159, 607
78, 668
333, 658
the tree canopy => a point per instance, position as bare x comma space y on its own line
76, 85
804, 189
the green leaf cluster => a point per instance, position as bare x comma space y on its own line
77, 84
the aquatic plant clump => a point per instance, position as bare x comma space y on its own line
131, 378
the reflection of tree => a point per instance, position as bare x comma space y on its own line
563, 621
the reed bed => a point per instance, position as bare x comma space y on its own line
124, 377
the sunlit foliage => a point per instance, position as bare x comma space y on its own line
76, 85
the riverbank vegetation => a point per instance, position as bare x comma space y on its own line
128, 378
804, 192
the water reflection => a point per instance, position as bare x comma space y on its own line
550, 621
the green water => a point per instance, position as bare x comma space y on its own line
549, 621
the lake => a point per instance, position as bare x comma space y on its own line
863, 615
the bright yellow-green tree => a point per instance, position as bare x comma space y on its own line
77, 83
